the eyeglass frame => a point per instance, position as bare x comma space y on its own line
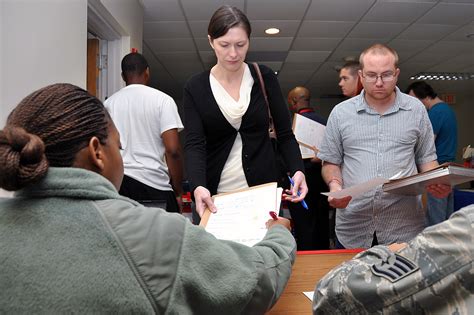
377, 76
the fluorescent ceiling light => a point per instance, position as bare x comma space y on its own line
443, 76
272, 31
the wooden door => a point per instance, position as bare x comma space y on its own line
92, 65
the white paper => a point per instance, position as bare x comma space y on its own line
307, 153
309, 295
241, 216
358, 189
468, 153
278, 200
308, 131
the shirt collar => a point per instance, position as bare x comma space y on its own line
361, 104
305, 110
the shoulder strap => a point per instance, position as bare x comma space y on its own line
262, 83
264, 91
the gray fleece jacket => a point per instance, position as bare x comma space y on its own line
72, 244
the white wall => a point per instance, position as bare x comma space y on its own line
129, 14
43, 42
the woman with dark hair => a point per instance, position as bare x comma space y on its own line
69, 243
226, 119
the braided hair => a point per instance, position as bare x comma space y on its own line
48, 128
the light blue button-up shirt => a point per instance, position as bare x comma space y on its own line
366, 145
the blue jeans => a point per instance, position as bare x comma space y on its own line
439, 209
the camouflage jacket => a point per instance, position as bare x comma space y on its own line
434, 274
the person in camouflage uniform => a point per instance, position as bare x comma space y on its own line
433, 273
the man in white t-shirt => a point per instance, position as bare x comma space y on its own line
148, 122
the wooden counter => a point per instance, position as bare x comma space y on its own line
309, 268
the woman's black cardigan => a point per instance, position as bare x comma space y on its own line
209, 137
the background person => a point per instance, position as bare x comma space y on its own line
445, 128
71, 244
148, 122
379, 133
311, 227
227, 143
349, 80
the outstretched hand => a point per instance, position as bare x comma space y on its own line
338, 203
203, 200
300, 186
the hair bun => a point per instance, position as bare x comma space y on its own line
22, 158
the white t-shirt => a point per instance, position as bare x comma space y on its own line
141, 115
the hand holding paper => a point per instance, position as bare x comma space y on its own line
339, 203
243, 214
357, 190
439, 190
203, 200
278, 221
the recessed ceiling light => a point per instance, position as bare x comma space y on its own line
349, 58
272, 31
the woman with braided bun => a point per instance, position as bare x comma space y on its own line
69, 243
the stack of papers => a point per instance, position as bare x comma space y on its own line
241, 215
447, 173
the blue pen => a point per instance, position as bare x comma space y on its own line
303, 203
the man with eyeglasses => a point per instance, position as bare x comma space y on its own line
311, 227
379, 133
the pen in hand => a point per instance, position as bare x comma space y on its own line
303, 203
273, 215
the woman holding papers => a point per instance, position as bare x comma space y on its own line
226, 119
71, 244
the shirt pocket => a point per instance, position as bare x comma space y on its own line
404, 150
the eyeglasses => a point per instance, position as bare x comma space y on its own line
373, 77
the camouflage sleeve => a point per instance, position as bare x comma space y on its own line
434, 273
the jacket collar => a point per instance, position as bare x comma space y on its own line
69, 182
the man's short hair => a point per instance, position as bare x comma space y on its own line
353, 66
133, 64
378, 49
421, 89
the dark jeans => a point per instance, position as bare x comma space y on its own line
311, 227
148, 196
439, 209
374, 242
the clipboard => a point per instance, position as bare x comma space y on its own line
447, 173
242, 214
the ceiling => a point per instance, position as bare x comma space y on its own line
316, 36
